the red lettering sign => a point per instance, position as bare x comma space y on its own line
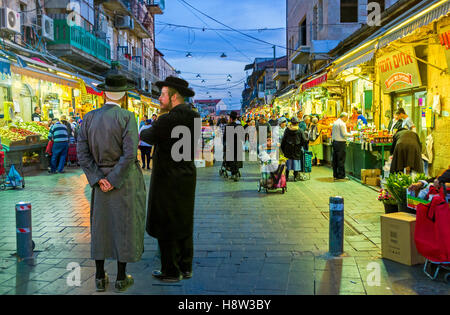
398, 77
315, 82
445, 39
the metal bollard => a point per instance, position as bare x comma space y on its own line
336, 240
23, 227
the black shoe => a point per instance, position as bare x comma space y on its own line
165, 278
123, 285
100, 284
186, 274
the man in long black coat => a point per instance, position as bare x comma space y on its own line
170, 216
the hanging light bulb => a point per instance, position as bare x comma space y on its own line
229, 76
189, 55
199, 76
203, 81
223, 55
228, 80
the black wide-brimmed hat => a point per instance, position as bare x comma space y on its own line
116, 83
178, 84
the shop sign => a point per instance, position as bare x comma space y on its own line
315, 82
399, 70
5, 73
445, 41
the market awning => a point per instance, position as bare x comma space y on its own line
134, 95
45, 76
318, 80
354, 60
408, 24
301, 55
91, 85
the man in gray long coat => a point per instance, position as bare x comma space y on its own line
170, 216
107, 152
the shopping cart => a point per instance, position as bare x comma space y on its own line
432, 234
306, 165
14, 160
72, 158
439, 265
2, 169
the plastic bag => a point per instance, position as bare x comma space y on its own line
14, 179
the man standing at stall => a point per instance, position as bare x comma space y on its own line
339, 136
36, 115
107, 152
170, 214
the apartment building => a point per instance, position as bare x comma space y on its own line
315, 27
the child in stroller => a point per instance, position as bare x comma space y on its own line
272, 168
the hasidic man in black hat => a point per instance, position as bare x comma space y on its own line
107, 152
170, 216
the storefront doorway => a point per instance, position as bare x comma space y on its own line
414, 104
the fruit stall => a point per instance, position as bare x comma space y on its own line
25, 144
367, 149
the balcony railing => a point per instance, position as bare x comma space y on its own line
78, 37
135, 68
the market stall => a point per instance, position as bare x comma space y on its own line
25, 144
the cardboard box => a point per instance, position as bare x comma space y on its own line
397, 238
370, 173
373, 181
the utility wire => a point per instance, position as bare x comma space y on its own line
240, 32
184, 3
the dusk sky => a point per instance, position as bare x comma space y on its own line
206, 47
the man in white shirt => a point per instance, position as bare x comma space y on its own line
407, 121
339, 135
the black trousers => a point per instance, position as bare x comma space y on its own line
145, 154
339, 153
176, 256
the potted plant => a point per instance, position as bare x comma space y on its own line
389, 202
397, 185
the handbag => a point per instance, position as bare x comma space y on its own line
49, 147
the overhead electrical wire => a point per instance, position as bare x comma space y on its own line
229, 27
187, 5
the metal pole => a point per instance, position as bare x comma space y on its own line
23, 229
336, 240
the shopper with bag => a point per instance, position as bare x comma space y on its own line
292, 146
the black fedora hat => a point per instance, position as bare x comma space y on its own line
116, 83
178, 84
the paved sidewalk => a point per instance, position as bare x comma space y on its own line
245, 242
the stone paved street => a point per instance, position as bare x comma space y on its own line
245, 242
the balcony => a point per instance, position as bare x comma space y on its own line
78, 46
156, 6
134, 8
131, 66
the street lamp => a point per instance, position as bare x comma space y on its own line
189, 55
223, 55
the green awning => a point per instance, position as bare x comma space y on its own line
134, 95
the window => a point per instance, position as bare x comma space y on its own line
302, 33
349, 11
320, 17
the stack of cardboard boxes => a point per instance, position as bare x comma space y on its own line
371, 177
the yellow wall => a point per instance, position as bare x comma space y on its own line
439, 83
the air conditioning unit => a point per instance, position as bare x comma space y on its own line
124, 22
9, 21
47, 27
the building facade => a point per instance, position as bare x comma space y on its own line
317, 26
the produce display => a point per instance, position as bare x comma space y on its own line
22, 132
373, 136
35, 127
7, 134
